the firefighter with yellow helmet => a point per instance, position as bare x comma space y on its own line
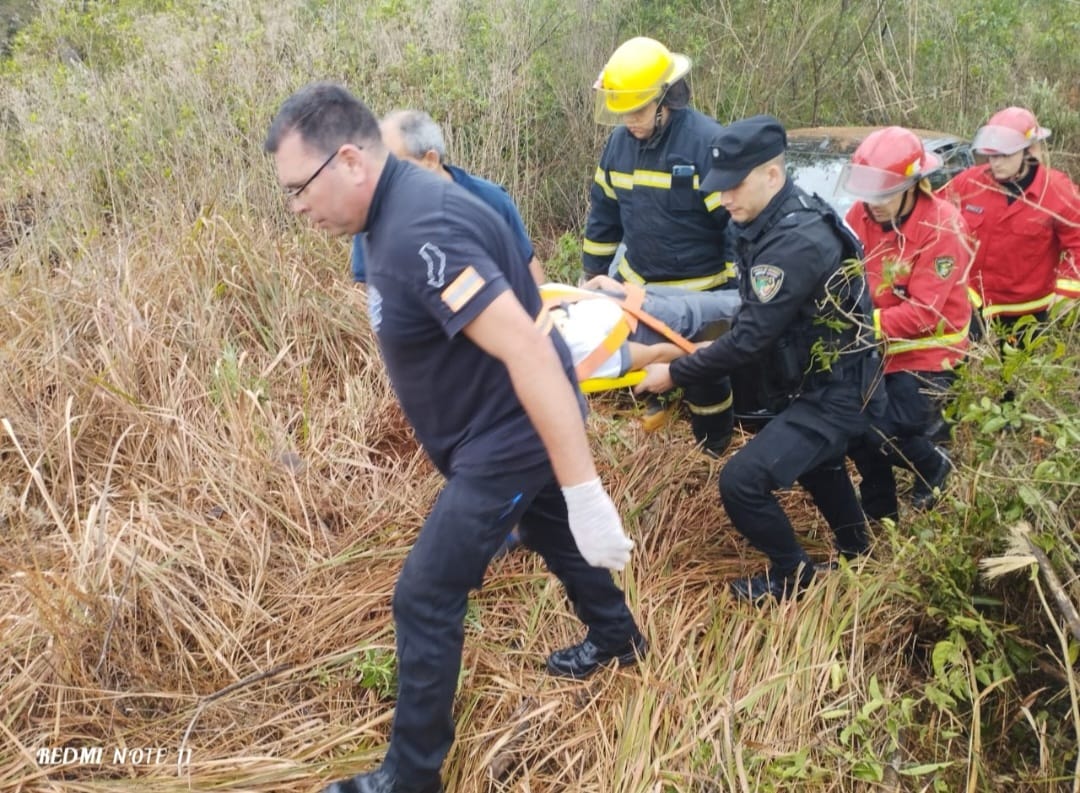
646, 196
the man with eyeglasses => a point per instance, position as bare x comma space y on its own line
491, 396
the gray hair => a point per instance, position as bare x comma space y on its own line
326, 116
419, 133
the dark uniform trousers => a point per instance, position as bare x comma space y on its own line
902, 437
1005, 327
468, 523
804, 443
712, 418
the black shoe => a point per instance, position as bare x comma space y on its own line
769, 586
378, 781
853, 552
581, 660
927, 488
851, 542
715, 447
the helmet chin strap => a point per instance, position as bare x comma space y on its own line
907, 206
1025, 166
908, 203
658, 119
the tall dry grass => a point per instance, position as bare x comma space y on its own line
206, 488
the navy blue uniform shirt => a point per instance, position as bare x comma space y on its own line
495, 196
437, 257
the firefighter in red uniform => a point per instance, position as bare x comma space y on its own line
1025, 218
917, 260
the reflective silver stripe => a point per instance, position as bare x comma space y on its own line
623, 180
1067, 285
656, 179
599, 248
601, 179
698, 284
711, 410
661, 180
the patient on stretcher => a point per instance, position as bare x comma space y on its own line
613, 329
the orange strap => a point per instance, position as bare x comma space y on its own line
615, 339
631, 306
660, 327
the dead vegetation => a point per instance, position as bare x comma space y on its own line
199, 549
206, 488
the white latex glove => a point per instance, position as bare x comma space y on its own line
596, 526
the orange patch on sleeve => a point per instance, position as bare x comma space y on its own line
462, 289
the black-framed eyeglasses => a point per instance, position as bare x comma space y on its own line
294, 192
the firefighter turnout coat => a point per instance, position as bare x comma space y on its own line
1028, 249
917, 273
645, 194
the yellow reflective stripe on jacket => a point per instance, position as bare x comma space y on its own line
601, 179
599, 248
699, 283
877, 324
712, 200
974, 297
661, 180
1029, 307
657, 179
1067, 285
897, 346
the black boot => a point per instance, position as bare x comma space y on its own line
773, 586
581, 660
379, 781
711, 417
928, 483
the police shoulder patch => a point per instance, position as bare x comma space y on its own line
943, 265
765, 280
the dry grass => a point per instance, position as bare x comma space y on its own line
206, 488
174, 580
199, 547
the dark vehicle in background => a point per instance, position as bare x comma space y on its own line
815, 156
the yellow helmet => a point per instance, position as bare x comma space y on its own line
638, 72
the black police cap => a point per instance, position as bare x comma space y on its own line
741, 147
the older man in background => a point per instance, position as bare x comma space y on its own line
413, 136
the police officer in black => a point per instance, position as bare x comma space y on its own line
492, 400
805, 314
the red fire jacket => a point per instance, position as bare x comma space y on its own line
1028, 250
917, 275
